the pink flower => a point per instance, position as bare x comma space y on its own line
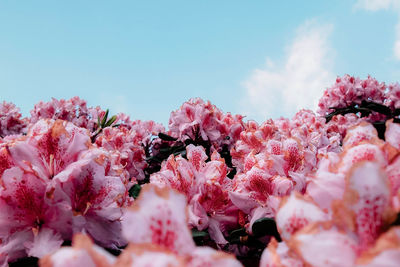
276, 158
385, 252
278, 254
392, 134
205, 185
195, 119
55, 183
50, 146
128, 144
359, 217
323, 244
393, 95
365, 208
340, 123
206, 256
326, 185
23, 202
349, 90
297, 212
363, 132
82, 253
360, 144
149, 255
11, 122
200, 121
73, 110
158, 217
94, 196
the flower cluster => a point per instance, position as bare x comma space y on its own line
206, 186
200, 121
55, 183
129, 145
347, 208
158, 235
318, 189
11, 122
274, 159
350, 90
74, 110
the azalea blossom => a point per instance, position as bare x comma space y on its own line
128, 145
202, 121
350, 90
82, 253
156, 227
74, 110
206, 187
161, 216
358, 220
352, 203
127, 192
11, 121
275, 159
55, 183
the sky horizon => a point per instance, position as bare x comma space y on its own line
259, 59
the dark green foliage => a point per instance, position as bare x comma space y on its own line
25, 262
266, 226
134, 191
196, 233
365, 109
103, 123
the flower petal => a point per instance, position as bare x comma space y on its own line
159, 216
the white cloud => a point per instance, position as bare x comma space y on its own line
376, 5
296, 83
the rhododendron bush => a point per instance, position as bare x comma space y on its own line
80, 187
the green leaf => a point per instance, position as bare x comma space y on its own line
111, 121
265, 226
235, 236
377, 107
103, 122
178, 148
197, 233
134, 191
166, 137
167, 150
238, 232
380, 127
179, 152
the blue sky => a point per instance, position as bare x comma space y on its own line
258, 58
